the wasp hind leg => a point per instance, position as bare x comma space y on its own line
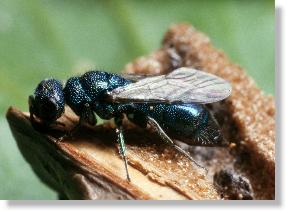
121, 142
153, 123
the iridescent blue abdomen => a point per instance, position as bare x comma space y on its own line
191, 123
179, 119
183, 119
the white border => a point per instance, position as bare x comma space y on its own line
279, 204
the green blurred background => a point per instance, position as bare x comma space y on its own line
59, 38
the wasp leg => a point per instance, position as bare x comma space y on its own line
168, 140
121, 142
31, 101
72, 131
87, 117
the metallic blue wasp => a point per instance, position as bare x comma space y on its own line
172, 104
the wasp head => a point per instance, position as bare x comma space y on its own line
48, 101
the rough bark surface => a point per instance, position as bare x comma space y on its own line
88, 166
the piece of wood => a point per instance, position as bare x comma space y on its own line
88, 165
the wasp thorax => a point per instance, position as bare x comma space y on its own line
95, 83
48, 101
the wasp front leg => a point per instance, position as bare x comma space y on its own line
87, 117
31, 102
121, 142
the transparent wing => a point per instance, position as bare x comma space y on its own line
184, 85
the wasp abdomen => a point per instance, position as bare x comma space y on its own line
193, 124
190, 123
